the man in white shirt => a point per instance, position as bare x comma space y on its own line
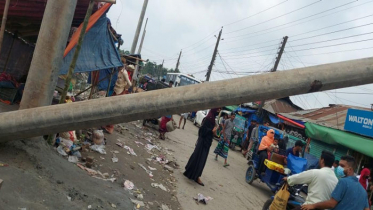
321, 182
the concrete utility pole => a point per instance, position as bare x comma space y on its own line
160, 70
178, 61
143, 36
3, 23
139, 25
213, 56
86, 114
278, 58
48, 54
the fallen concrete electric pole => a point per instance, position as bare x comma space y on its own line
64, 117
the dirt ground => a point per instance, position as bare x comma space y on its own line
226, 186
39, 178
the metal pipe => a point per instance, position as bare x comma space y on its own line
3, 23
48, 54
65, 117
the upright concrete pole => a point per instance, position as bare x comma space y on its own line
139, 24
71, 116
48, 54
3, 23
213, 57
278, 58
178, 61
142, 38
160, 71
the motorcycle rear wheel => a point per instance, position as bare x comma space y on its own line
267, 204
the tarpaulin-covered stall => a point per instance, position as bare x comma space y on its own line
98, 50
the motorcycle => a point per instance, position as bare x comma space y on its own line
295, 198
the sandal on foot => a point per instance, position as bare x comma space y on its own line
225, 165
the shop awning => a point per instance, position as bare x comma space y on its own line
332, 136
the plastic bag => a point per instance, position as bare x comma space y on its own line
296, 164
281, 198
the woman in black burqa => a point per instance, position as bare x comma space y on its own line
197, 161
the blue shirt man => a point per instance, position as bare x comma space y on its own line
296, 149
350, 194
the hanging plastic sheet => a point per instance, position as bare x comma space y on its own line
97, 52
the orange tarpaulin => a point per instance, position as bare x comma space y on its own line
92, 20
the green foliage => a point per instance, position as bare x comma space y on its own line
155, 70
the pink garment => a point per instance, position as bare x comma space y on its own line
363, 177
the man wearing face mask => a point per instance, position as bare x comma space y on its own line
348, 194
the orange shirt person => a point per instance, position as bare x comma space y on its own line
264, 148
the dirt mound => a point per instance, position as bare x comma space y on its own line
38, 178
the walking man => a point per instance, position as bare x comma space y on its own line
185, 117
348, 194
223, 145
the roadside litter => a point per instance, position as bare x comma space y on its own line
114, 159
138, 203
130, 150
160, 186
202, 199
99, 148
152, 169
147, 171
165, 207
128, 185
73, 159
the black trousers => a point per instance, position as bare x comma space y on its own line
262, 156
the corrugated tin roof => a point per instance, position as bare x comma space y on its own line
333, 116
283, 105
25, 16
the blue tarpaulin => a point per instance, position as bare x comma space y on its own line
244, 110
98, 50
105, 73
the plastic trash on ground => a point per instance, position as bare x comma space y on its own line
98, 148
202, 199
128, 185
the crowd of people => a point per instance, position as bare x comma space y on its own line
333, 186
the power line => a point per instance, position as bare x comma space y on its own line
256, 13
302, 22
355, 93
276, 17
332, 45
365, 48
346, 37
331, 32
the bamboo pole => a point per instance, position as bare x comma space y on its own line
77, 51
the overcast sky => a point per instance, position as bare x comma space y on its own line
252, 33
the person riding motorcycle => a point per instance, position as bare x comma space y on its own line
321, 182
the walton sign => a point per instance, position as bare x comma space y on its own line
359, 121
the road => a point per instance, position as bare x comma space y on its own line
226, 185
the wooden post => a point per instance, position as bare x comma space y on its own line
3, 23
111, 77
10, 51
